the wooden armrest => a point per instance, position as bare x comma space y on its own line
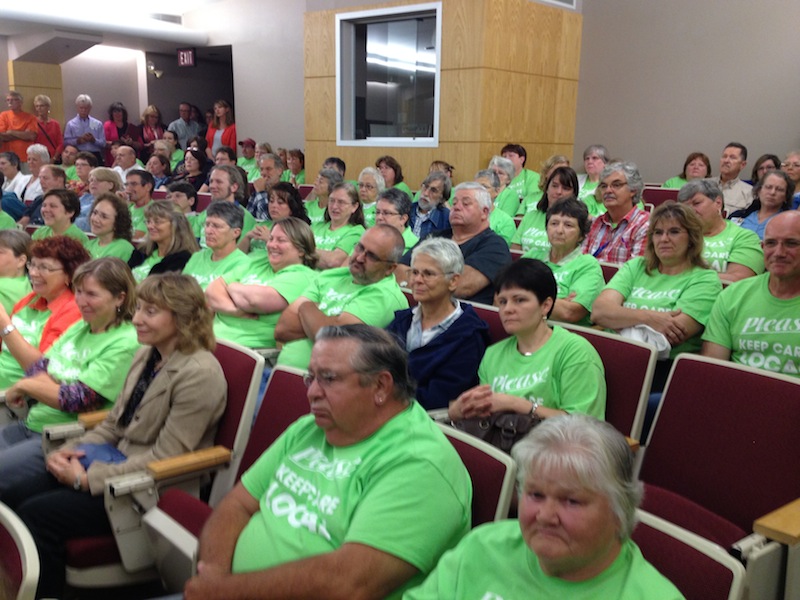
189, 462
90, 420
632, 444
781, 525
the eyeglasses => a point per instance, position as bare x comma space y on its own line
359, 249
338, 202
431, 189
615, 185
366, 186
155, 221
386, 213
427, 275
216, 226
43, 268
673, 232
794, 165
325, 379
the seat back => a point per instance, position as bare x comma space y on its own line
305, 189
700, 569
19, 560
658, 195
629, 368
159, 194
242, 368
491, 316
203, 200
609, 270
725, 437
284, 402
492, 472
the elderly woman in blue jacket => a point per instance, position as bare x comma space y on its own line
445, 338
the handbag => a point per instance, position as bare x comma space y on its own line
502, 430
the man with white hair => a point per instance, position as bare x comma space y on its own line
485, 252
84, 131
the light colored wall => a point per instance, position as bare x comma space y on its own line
659, 80
107, 74
267, 44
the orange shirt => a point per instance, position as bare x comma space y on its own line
20, 121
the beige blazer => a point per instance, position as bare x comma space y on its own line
178, 413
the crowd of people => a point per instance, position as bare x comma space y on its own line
114, 288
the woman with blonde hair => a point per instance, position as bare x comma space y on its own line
102, 180
48, 132
152, 130
169, 243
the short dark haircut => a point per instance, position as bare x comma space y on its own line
392, 163
570, 206
226, 150
516, 149
69, 200
398, 198
145, 178
184, 188
12, 158
531, 275
337, 162
89, 158
57, 172
292, 197
741, 147
120, 107
229, 212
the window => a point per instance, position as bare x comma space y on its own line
387, 76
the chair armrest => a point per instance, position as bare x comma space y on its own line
63, 432
190, 462
633, 444
90, 420
782, 524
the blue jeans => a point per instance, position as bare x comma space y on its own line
22, 468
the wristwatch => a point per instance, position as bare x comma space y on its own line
77, 485
7, 329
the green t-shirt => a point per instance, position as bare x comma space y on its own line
204, 270
118, 247
524, 184
100, 361
577, 273
12, 290
6, 222
409, 238
289, 282
138, 218
493, 562
566, 373
403, 491
507, 201
674, 183
759, 329
199, 226
176, 157
143, 270
30, 324
316, 213
344, 238
72, 231
529, 203
334, 292
403, 187
502, 225
369, 214
71, 173
693, 292
532, 232
250, 167
734, 244
299, 179
587, 196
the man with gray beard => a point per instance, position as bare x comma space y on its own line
430, 212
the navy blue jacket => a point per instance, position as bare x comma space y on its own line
448, 365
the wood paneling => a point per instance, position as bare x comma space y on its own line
509, 74
30, 79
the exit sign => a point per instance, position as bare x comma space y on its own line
186, 57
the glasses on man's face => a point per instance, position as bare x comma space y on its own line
369, 254
325, 379
431, 189
614, 185
214, 226
40, 268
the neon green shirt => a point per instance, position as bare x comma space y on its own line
12, 290
72, 231
532, 233
205, 270
734, 244
118, 247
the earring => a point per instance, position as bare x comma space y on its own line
379, 400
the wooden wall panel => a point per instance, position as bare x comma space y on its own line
509, 74
30, 79
320, 108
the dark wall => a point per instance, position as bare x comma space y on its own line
202, 85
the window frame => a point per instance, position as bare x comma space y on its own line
346, 76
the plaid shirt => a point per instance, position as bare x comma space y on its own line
618, 243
